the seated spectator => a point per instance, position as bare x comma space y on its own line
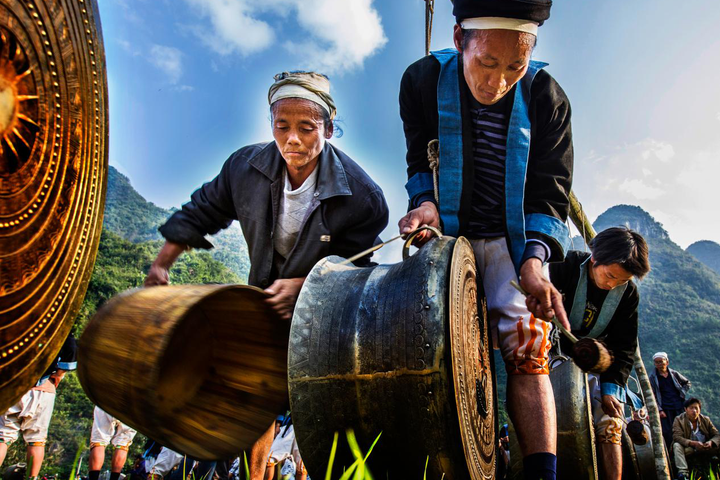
694, 435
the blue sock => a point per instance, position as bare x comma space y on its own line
540, 466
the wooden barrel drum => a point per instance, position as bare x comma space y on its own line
202, 369
400, 349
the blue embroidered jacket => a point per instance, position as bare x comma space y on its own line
539, 161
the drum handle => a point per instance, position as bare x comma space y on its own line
406, 249
411, 237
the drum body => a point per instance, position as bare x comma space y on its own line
199, 368
400, 349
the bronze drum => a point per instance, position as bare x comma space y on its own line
202, 369
400, 349
53, 173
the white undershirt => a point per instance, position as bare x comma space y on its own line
293, 208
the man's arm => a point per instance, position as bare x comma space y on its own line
713, 433
679, 435
621, 340
159, 273
550, 167
684, 382
209, 210
363, 228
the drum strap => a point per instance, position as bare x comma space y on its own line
609, 306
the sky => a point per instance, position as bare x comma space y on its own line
188, 83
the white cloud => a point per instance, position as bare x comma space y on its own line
660, 150
167, 59
234, 30
335, 35
640, 190
682, 193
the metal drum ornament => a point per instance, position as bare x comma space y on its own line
53, 170
400, 349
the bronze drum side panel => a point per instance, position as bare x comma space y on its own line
200, 368
53, 173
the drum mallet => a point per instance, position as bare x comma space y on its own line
588, 354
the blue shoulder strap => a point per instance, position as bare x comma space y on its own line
450, 137
609, 306
517, 154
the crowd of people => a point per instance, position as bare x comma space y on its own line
501, 177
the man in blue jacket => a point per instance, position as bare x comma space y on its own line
504, 176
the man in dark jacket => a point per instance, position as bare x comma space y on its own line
502, 126
298, 200
694, 434
670, 388
602, 302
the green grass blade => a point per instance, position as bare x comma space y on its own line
331, 461
247, 467
427, 459
79, 452
348, 473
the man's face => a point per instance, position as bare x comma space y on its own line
693, 411
494, 61
661, 364
299, 132
610, 276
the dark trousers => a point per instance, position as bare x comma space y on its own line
667, 423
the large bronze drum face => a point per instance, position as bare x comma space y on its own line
400, 349
202, 369
53, 163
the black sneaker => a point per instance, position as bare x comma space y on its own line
682, 476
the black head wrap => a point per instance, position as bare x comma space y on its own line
533, 10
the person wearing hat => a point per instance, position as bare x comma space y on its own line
602, 301
504, 172
297, 199
670, 388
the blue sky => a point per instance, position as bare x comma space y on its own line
188, 84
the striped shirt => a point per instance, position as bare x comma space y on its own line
489, 125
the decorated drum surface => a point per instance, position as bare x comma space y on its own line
53, 171
400, 349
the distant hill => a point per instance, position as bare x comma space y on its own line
707, 252
679, 305
133, 218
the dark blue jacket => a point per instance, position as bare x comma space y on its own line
346, 216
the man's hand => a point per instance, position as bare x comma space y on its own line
425, 214
159, 270
662, 414
544, 301
284, 294
612, 406
157, 275
708, 445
